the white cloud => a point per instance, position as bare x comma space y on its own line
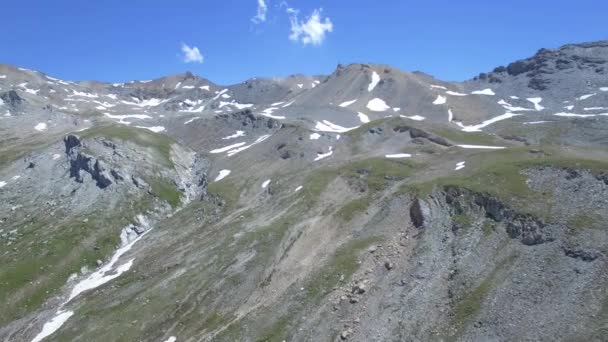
312, 30
191, 54
260, 17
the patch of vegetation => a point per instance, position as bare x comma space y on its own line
227, 190
470, 304
487, 228
158, 144
341, 266
166, 191
377, 172
499, 173
48, 252
348, 211
464, 221
277, 332
584, 220
35, 277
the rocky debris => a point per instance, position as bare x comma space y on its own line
358, 288
582, 254
140, 183
389, 265
345, 334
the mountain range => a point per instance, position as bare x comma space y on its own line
371, 204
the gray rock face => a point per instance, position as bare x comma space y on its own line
80, 162
13, 100
551, 68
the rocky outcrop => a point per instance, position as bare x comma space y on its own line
81, 163
12, 99
526, 228
248, 119
543, 69
416, 133
419, 211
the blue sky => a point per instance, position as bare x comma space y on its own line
120, 40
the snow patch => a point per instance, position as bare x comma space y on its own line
171, 339
53, 325
459, 166
477, 128
235, 104
315, 136
482, 147
453, 93
440, 100
364, 118
377, 105
268, 113
121, 118
223, 174
298, 189
594, 108
265, 184
413, 117
41, 126
145, 103
536, 101
189, 121
324, 155
374, 82
535, 122
584, 97
227, 148
577, 115
604, 89
56, 156
240, 149
450, 115
438, 87
155, 129
398, 155
83, 94
235, 135
506, 105
327, 126
486, 91
2, 184
347, 103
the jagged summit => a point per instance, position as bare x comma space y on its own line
556, 69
